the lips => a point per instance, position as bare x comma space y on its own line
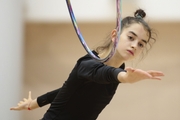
131, 52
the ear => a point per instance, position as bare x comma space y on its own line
113, 35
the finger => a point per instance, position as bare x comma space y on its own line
146, 76
14, 108
143, 73
21, 102
29, 97
25, 99
11, 108
156, 73
156, 78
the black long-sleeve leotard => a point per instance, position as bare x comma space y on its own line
88, 89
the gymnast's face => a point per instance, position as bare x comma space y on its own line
133, 40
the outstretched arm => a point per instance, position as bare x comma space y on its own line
30, 104
134, 75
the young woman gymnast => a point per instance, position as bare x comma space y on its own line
92, 84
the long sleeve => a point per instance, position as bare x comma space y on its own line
47, 98
98, 72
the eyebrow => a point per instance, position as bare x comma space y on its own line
137, 36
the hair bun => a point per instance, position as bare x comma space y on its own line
140, 13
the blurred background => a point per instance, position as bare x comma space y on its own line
39, 47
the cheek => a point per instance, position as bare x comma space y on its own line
122, 42
120, 45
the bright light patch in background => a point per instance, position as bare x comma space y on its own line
161, 10
56, 10
99, 10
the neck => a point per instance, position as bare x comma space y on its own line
114, 61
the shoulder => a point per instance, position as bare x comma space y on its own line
88, 62
87, 59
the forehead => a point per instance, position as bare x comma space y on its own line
138, 29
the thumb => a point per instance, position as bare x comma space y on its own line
29, 96
129, 69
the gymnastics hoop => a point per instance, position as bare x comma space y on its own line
83, 42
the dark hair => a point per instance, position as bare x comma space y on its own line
139, 16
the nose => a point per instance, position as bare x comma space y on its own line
134, 45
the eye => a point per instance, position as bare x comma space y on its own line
141, 45
130, 38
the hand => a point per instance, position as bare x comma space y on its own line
134, 75
23, 105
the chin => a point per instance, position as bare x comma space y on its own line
127, 58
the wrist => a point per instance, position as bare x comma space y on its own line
122, 77
29, 105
